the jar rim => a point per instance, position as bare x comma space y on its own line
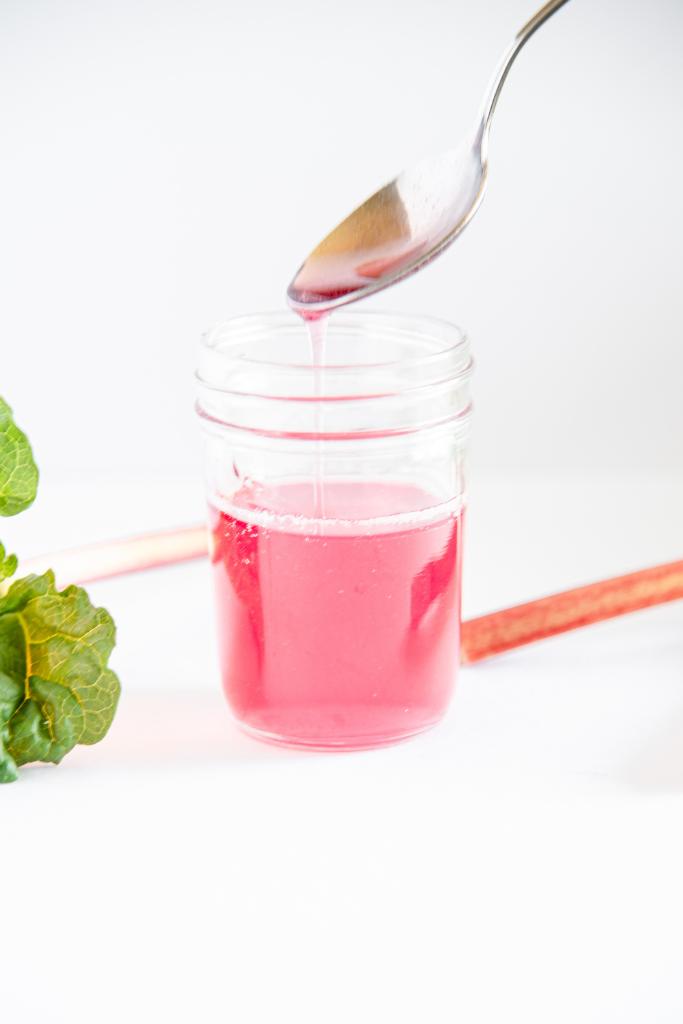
218, 340
404, 372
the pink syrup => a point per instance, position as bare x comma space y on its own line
337, 631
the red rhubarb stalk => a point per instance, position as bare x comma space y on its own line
481, 637
501, 631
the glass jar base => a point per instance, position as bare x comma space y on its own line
338, 743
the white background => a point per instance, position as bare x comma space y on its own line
520, 863
168, 164
165, 165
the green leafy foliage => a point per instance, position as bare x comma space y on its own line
56, 689
18, 471
8, 564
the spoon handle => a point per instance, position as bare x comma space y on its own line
525, 33
538, 18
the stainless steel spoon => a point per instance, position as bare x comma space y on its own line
410, 220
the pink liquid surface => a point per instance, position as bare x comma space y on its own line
340, 632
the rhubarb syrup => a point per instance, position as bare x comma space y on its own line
343, 630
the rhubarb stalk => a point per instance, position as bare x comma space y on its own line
481, 637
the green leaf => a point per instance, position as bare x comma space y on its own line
10, 698
8, 564
18, 471
47, 725
54, 648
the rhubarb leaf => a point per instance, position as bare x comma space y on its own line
8, 564
18, 471
56, 689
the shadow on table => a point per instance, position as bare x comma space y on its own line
175, 730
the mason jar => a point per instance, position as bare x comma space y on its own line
336, 501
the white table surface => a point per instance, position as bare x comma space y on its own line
522, 862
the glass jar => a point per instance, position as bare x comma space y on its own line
336, 503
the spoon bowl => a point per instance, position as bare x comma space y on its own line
410, 220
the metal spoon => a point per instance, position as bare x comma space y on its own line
409, 221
